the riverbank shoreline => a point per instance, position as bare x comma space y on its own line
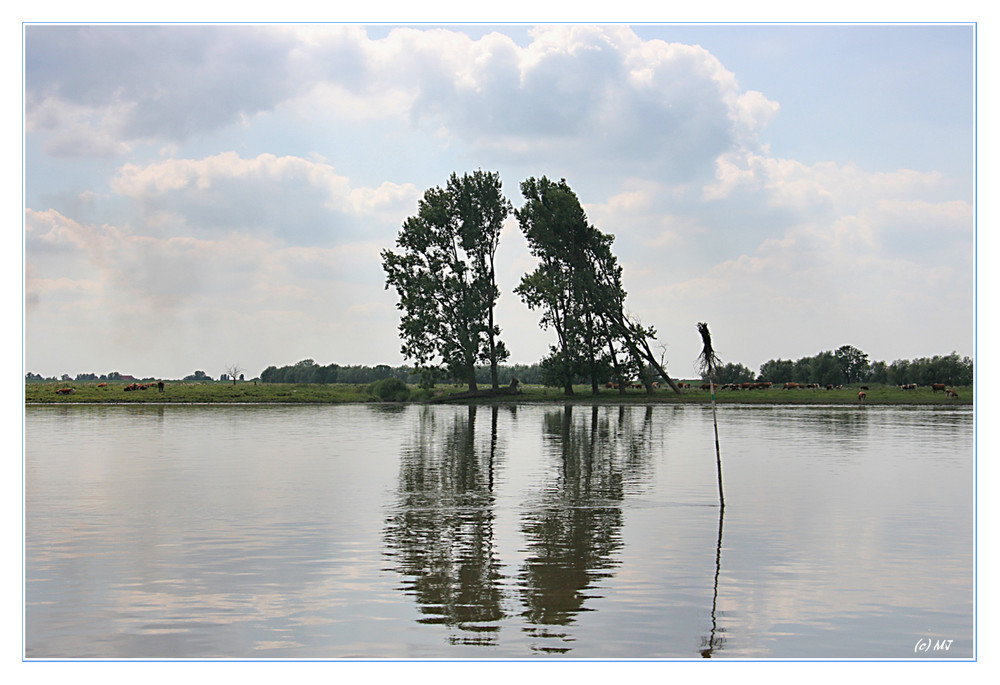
179, 392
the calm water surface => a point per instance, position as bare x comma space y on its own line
408, 532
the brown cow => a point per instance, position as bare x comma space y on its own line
65, 391
862, 396
950, 392
938, 387
791, 386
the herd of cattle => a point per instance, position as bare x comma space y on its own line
128, 388
862, 393
144, 386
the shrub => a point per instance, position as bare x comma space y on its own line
390, 390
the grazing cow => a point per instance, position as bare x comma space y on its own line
791, 386
862, 396
864, 387
706, 386
65, 391
909, 386
950, 393
102, 385
938, 387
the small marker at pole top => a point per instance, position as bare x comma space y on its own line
708, 359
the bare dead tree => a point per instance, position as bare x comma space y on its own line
234, 371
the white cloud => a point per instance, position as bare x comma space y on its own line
295, 200
791, 183
579, 92
142, 83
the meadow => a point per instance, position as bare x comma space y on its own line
218, 392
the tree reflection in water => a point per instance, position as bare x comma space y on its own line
440, 533
440, 536
573, 527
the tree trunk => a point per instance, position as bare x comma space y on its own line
493, 345
617, 366
591, 356
656, 365
647, 355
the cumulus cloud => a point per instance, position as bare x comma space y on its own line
792, 183
826, 250
227, 226
593, 95
579, 92
296, 200
137, 83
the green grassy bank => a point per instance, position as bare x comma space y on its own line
185, 392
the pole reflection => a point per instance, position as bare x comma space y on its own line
714, 641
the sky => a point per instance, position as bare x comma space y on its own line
199, 196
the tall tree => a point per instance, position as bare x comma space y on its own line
444, 275
555, 227
482, 210
578, 287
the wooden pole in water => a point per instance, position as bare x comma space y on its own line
709, 360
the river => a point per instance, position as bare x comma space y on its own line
510, 532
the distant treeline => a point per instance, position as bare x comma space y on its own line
112, 377
848, 364
845, 365
116, 376
308, 371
